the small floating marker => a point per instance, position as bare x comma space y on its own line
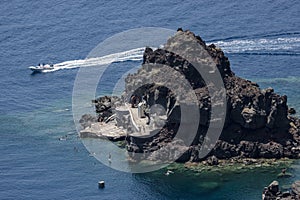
101, 184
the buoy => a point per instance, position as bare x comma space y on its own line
101, 184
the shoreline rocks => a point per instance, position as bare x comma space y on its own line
273, 192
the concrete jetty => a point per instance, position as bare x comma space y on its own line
104, 130
126, 122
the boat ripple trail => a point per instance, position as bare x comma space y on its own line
260, 46
264, 46
130, 55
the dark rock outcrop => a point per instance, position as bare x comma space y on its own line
105, 106
86, 120
272, 192
258, 124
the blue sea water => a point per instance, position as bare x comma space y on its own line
261, 39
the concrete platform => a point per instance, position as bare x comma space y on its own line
104, 130
115, 133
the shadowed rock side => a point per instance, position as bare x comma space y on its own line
257, 125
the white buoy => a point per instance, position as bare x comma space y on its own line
101, 184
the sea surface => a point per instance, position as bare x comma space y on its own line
261, 39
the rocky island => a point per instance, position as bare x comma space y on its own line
258, 124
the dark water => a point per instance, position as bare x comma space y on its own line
261, 39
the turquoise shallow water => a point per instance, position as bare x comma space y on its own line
261, 40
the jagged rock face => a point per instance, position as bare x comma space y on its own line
253, 108
180, 40
86, 120
248, 106
104, 109
105, 106
257, 121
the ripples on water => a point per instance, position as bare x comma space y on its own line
261, 40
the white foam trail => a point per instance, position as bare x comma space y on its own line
233, 46
261, 45
133, 55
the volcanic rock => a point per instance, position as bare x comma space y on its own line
257, 122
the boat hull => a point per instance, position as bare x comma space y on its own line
40, 69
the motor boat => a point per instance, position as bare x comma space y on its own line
41, 68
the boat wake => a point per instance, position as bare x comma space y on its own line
260, 46
130, 55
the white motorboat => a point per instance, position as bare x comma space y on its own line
41, 67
